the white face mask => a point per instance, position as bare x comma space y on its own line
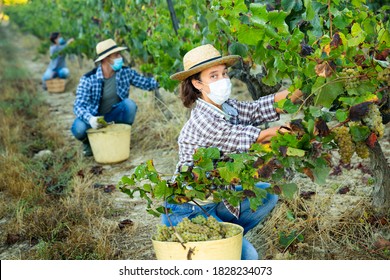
220, 91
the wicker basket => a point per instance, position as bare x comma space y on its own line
56, 85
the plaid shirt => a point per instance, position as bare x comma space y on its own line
89, 90
231, 130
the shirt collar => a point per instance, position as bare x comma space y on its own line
99, 73
214, 109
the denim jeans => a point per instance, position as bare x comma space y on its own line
247, 219
62, 73
122, 112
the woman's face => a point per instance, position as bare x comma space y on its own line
209, 76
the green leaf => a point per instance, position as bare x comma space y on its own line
310, 126
128, 181
288, 5
212, 153
340, 21
162, 190
341, 115
277, 19
310, 13
287, 240
321, 173
238, 49
153, 212
359, 133
250, 35
280, 64
290, 215
140, 171
358, 35
328, 93
229, 172
259, 12
288, 190
293, 152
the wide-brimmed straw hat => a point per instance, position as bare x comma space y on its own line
107, 47
201, 58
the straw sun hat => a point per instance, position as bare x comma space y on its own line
201, 58
107, 47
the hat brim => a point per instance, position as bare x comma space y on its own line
118, 49
228, 60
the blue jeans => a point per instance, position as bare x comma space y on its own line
61, 73
122, 112
247, 219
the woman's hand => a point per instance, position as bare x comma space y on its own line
295, 97
266, 134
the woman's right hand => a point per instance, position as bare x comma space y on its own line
266, 134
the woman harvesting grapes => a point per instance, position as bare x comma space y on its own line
224, 123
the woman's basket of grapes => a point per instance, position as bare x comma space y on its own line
199, 238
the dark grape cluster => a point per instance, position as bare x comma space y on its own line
196, 229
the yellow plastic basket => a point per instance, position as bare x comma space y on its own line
56, 85
110, 144
222, 249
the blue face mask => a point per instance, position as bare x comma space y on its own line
61, 41
118, 63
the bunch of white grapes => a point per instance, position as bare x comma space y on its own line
345, 143
373, 120
196, 229
384, 76
351, 78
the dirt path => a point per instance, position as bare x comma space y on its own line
138, 244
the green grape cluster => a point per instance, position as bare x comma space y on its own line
196, 229
102, 121
351, 78
373, 120
345, 143
362, 150
384, 76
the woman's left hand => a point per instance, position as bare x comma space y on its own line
296, 96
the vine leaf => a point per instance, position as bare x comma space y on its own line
371, 140
328, 92
288, 190
322, 127
324, 69
357, 112
336, 41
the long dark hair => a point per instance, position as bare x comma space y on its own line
188, 93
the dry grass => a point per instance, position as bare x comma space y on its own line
319, 232
165, 119
48, 202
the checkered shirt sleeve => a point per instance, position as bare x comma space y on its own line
89, 90
208, 128
255, 112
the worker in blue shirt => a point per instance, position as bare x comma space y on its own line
104, 91
57, 66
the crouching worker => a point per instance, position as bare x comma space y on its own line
230, 125
57, 66
104, 91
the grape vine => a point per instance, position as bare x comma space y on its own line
336, 52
